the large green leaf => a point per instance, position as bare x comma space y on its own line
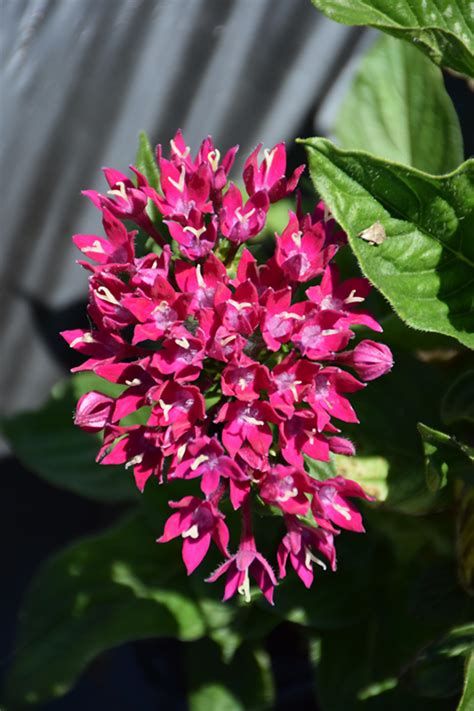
242, 684
445, 456
97, 594
441, 28
425, 264
467, 700
48, 443
395, 92
437, 670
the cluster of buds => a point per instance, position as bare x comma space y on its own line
235, 364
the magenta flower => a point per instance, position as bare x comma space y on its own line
345, 297
326, 399
182, 355
301, 544
117, 249
270, 174
197, 522
247, 561
245, 380
330, 502
206, 458
183, 191
196, 238
126, 200
280, 319
247, 422
301, 253
237, 366
239, 222
287, 487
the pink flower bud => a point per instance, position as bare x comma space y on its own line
369, 359
93, 411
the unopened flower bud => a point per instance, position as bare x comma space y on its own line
369, 359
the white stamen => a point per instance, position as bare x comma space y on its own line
199, 277
85, 338
242, 383
182, 342
180, 184
132, 383
243, 218
296, 237
287, 495
309, 557
96, 247
244, 589
329, 332
135, 460
121, 192
287, 314
198, 461
162, 306
293, 388
214, 158
166, 408
196, 232
176, 150
228, 339
239, 305
343, 511
352, 298
192, 532
269, 156
106, 295
181, 452
252, 420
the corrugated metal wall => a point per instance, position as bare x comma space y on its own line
80, 78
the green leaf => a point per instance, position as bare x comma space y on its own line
48, 443
97, 594
384, 116
437, 670
445, 455
146, 163
244, 683
457, 404
467, 700
145, 160
425, 265
443, 29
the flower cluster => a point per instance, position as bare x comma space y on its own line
235, 364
